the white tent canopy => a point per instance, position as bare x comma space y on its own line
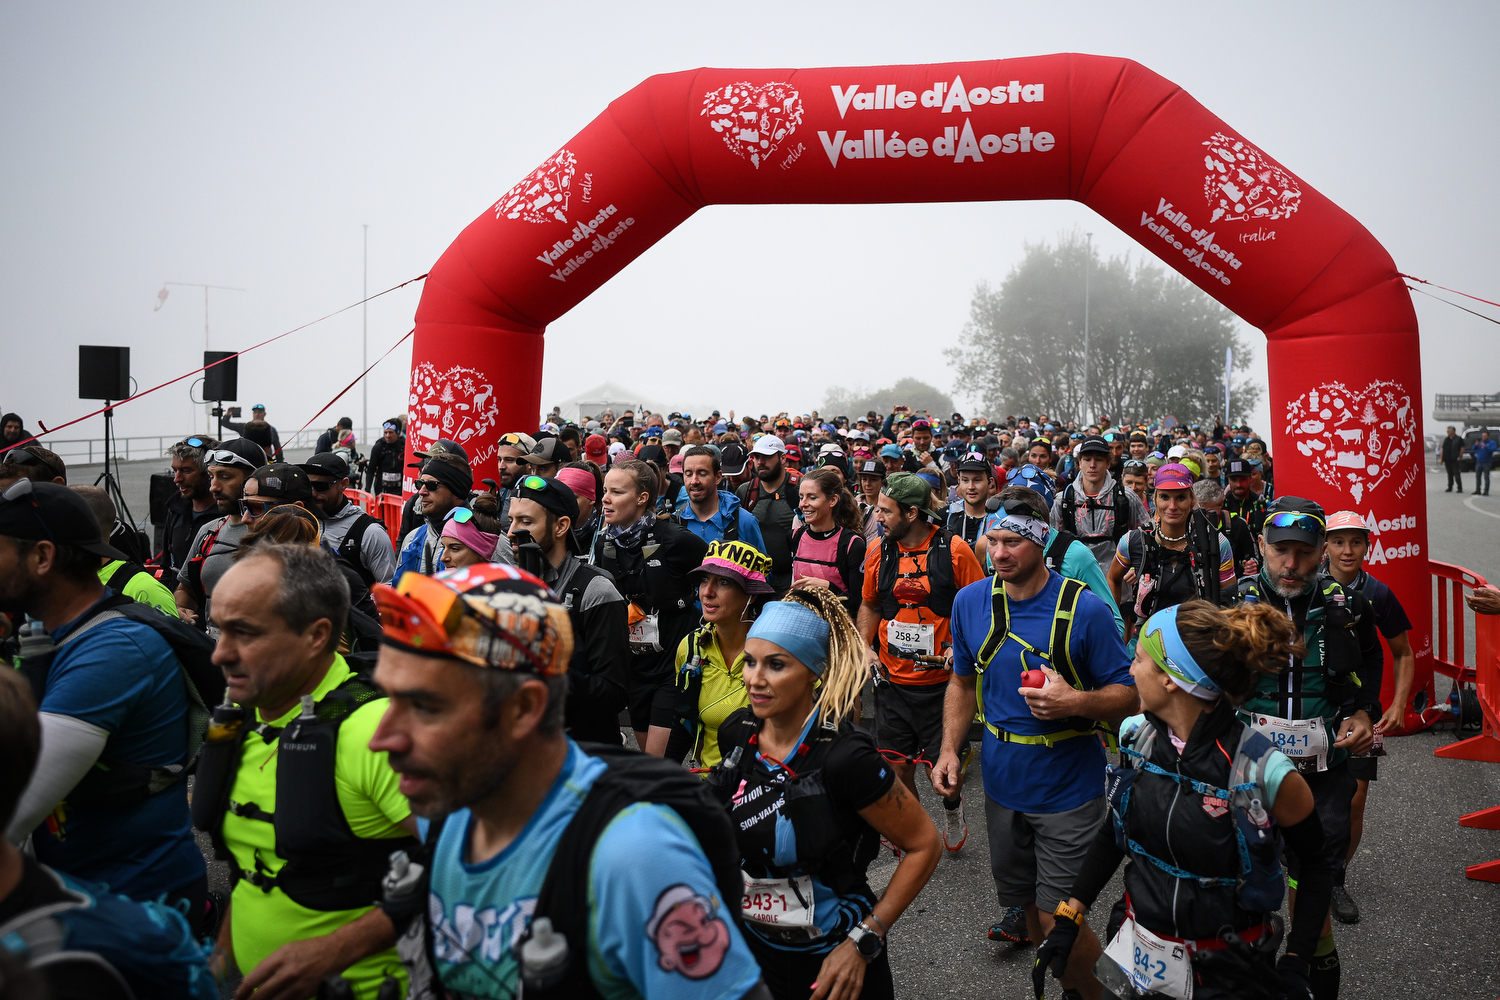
606, 395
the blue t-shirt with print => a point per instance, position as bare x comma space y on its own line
657, 930
122, 677
1022, 776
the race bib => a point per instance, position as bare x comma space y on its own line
390, 477
1153, 964
783, 903
1305, 741
908, 639
645, 635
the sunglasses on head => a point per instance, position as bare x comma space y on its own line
21, 490
223, 456
1297, 521
1018, 507
460, 514
195, 442
1135, 466
534, 483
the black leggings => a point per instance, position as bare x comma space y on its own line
196, 896
790, 975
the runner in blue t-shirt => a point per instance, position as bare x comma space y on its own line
475, 730
1042, 761
111, 694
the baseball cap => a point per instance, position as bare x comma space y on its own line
1294, 519
768, 444
1236, 467
892, 451
553, 495
830, 449
444, 447
596, 449
35, 454
872, 467
794, 453
908, 488
282, 481
921, 423
976, 464
1094, 443
258, 406
1346, 520
52, 512
1177, 451
552, 451
239, 452
732, 459
1174, 476
326, 464
989, 441
515, 439
672, 436
652, 431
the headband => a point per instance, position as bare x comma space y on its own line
580, 481
797, 629
468, 533
1033, 529
1163, 643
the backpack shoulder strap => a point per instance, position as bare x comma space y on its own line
1062, 631
802, 529
999, 626
1247, 774
123, 575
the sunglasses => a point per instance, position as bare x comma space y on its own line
534, 483
1310, 523
251, 509
21, 489
422, 613
322, 485
223, 456
195, 442
427, 485
1134, 466
1017, 506
460, 514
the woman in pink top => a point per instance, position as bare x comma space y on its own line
828, 549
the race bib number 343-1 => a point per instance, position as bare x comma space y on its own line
783, 903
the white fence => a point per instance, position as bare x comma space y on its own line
87, 451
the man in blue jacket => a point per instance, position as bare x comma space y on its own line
709, 512
1483, 451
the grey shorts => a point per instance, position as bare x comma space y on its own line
1034, 857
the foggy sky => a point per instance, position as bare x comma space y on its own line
246, 146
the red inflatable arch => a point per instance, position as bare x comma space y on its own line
1345, 384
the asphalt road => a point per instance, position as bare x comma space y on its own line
1427, 930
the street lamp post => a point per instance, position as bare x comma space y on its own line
364, 431
1088, 265
161, 300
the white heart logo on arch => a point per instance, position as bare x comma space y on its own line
1356, 439
753, 120
458, 405
1243, 184
543, 195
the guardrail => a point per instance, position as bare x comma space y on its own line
87, 451
1468, 401
1482, 677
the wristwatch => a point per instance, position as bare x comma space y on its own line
866, 942
1066, 912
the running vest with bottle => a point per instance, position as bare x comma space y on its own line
1119, 506
327, 866
1321, 683
1180, 574
1057, 656
1057, 549
1198, 827
836, 848
117, 784
939, 573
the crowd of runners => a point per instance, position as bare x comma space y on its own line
634, 718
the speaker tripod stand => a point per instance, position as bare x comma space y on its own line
112, 484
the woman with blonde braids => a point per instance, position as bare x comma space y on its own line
810, 797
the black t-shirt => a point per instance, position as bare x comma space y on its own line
1390, 616
773, 839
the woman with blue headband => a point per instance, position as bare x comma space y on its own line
811, 797
1202, 804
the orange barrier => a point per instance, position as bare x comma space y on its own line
366, 501
388, 509
1483, 676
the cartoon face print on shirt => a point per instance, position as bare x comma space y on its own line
689, 936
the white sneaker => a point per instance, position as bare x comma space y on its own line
956, 828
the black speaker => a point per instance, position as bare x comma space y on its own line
103, 372
221, 382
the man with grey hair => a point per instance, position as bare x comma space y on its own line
307, 834
1209, 493
191, 507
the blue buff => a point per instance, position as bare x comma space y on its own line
797, 629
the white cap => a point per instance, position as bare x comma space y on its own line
830, 449
1177, 451
769, 444
616, 447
